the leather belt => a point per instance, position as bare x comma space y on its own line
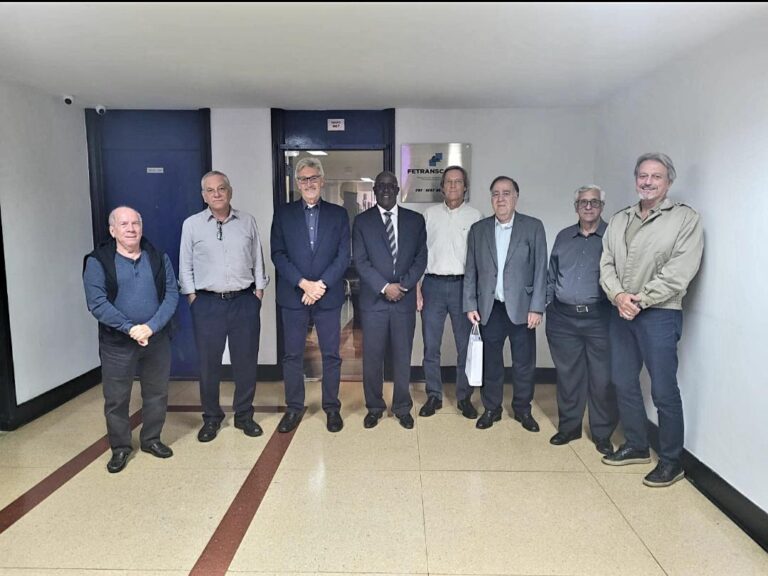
227, 295
581, 308
446, 277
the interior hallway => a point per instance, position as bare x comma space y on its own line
443, 498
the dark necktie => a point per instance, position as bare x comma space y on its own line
391, 237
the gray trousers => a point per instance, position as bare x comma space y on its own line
580, 351
121, 360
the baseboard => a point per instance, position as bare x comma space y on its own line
448, 373
28, 411
744, 513
266, 373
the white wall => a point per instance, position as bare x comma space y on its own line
46, 207
241, 147
709, 112
549, 152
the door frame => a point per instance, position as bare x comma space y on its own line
303, 130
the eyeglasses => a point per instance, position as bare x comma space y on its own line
303, 180
220, 190
588, 203
219, 235
501, 194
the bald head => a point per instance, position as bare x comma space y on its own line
125, 227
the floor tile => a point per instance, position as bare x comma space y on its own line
388, 446
334, 521
51, 441
16, 481
133, 520
686, 533
528, 523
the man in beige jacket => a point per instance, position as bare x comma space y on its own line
651, 252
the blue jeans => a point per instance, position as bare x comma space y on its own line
443, 297
650, 338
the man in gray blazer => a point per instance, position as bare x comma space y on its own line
510, 304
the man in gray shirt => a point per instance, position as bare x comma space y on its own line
221, 270
577, 326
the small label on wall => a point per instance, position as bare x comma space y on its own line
335, 124
155, 170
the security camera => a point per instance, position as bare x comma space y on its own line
101, 110
68, 99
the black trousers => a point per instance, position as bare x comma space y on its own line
214, 320
382, 327
580, 349
121, 360
523, 342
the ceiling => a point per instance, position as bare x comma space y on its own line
350, 55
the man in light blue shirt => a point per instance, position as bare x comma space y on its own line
505, 285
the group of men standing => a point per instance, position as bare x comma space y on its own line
612, 294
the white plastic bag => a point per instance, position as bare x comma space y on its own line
474, 367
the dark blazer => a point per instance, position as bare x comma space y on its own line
525, 270
373, 260
294, 259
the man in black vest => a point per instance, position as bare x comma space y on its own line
131, 290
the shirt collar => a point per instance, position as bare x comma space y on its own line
504, 226
599, 232
393, 211
308, 207
451, 210
233, 213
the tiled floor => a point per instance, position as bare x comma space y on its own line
443, 498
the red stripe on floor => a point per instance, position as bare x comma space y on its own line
222, 547
55, 480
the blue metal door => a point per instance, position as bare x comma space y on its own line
153, 162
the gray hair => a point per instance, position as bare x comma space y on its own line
112, 217
214, 173
660, 158
309, 162
587, 188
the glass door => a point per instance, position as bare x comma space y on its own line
349, 176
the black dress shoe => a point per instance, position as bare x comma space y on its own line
562, 438
603, 446
664, 475
371, 419
467, 410
118, 461
488, 418
208, 432
158, 449
335, 423
406, 420
433, 403
626, 455
289, 421
527, 421
249, 427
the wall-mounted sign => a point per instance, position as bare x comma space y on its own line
422, 166
335, 124
155, 170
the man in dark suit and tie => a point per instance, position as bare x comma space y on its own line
389, 246
310, 249
505, 287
